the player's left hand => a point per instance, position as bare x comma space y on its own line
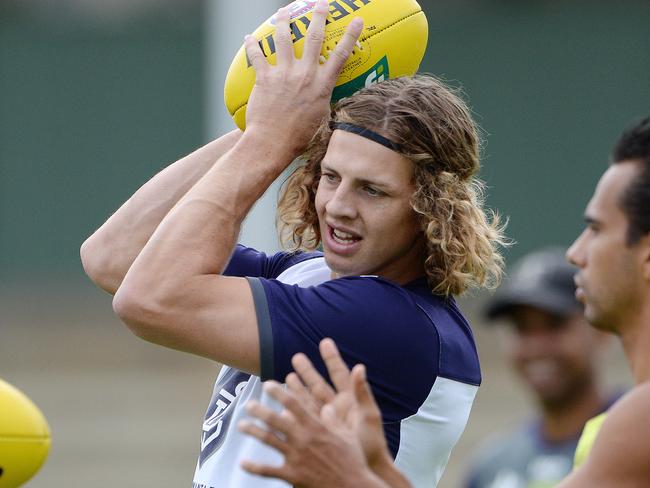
352, 401
289, 100
324, 434
315, 454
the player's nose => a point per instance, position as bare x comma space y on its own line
575, 254
341, 203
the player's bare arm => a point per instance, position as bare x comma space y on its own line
173, 294
109, 252
619, 456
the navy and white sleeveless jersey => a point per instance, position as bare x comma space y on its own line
418, 349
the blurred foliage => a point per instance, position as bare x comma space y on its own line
86, 115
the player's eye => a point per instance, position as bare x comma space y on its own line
329, 177
593, 228
373, 192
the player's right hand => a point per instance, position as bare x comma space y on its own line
290, 100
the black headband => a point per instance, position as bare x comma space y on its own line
368, 134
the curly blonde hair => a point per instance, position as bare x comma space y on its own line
436, 133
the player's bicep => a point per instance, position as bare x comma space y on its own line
210, 315
620, 453
622, 447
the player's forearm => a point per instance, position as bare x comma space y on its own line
108, 254
365, 479
197, 236
385, 469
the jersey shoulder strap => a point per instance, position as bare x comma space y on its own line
589, 433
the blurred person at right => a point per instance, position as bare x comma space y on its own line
556, 353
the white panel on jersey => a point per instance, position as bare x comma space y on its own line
221, 468
311, 272
442, 417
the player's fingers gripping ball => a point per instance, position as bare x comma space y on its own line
392, 44
24, 437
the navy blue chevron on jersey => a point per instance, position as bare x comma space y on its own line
219, 415
418, 350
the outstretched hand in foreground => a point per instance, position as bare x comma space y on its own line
329, 437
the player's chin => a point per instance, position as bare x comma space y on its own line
600, 320
340, 265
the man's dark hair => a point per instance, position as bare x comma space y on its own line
634, 145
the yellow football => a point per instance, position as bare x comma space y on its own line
24, 437
393, 42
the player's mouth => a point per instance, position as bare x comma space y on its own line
543, 375
580, 292
342, 241
541, 370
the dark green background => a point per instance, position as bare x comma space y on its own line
87, 114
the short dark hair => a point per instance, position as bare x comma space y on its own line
634, 145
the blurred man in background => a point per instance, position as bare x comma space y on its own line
555, 352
